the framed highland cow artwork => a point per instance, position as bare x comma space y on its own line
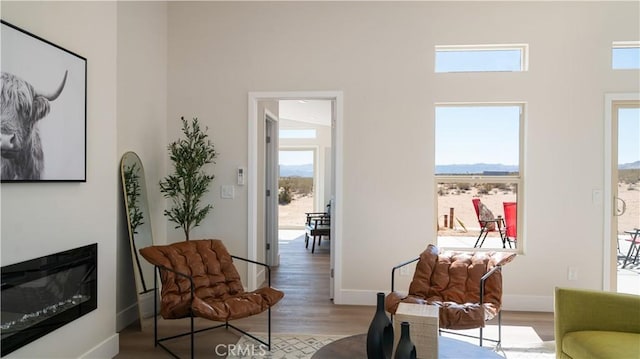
43, 103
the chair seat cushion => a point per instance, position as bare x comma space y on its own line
601, 345
451, 315
237, 306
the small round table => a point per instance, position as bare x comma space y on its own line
355, 346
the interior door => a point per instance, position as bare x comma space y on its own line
334, 237
271, 193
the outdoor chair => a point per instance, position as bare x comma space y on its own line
466, 286
634, 245
199, 279
317, 224
510, 223
488, 223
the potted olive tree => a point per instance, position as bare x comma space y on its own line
189, 181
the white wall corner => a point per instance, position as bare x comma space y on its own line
127, 316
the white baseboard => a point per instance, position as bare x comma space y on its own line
109, 348
518, 303
527, 303
127, 316
358, 297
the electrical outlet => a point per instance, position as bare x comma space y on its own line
572, 273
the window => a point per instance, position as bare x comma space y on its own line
481, 58
295, 186
478, 155
625, 55
299, 133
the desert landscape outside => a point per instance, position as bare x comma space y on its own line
465, 228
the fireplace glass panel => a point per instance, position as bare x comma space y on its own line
43, 294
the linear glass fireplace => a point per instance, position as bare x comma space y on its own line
43, 294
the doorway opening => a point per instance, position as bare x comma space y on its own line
306, 137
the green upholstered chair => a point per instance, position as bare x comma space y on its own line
592, 324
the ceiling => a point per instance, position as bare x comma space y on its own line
310, 111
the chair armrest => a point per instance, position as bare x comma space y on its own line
483, 279
498, 221
317, 214
313, 215
393, 271
323, 221
258, 263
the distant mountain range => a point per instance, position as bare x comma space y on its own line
296, 170
630, 166
476, 168
306, 170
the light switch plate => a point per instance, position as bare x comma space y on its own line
227, 192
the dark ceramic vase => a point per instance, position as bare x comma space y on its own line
380, 334
405, 349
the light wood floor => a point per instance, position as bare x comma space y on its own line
305, 309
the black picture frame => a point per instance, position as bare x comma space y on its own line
44, 101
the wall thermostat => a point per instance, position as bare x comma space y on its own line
240, 176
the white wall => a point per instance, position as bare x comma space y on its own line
142, 121
44, 218
381, 55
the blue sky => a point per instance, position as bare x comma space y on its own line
477, 134
628, 135
625, 58
479, 60
288, 158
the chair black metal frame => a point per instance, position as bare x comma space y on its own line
484, 230
191, 332
634, 243
317, 224
482, 281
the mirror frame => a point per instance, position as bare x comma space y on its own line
135, 215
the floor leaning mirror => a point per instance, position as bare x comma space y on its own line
139, 226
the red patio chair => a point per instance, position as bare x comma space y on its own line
488, 225
510, 222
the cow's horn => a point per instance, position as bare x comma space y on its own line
55, 95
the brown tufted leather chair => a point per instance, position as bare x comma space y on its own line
199, 280
467, 287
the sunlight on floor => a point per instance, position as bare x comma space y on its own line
512, 336
286, 235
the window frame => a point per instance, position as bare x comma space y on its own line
523, 48
475, 178
624, 45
